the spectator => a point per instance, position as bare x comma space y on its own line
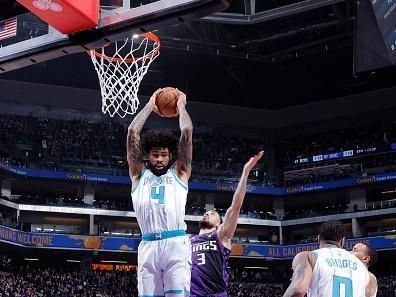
253, 290
70, 145
56, 283
50, 282
274, 238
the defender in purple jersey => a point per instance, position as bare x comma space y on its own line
211, 248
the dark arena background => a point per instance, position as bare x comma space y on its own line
312, 83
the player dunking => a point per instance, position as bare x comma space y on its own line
212, 246
368, 256
159, 195
329, 271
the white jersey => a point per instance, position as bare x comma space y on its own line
338, 273
159, 202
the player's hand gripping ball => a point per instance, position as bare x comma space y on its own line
166, 102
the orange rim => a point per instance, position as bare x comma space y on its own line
154, 38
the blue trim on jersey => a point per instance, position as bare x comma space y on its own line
133, 189
163, 235
174, 292
178, 180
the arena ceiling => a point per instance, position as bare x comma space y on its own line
264, 54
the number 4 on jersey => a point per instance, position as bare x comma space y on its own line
158, 193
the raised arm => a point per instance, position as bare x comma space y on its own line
134, 149
184, 158
302, 274
227, 229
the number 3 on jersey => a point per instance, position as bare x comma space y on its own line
342, 287
158, 193
201, 259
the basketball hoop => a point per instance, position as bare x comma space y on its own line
121, 67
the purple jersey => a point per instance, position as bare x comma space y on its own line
209, 276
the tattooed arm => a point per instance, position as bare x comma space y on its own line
302, 274
134, 150
227, 229
184, 159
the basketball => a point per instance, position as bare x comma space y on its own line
166, 102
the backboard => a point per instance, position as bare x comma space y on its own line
28, 40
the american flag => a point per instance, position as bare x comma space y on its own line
8, 28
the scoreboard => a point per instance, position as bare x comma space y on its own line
385, 13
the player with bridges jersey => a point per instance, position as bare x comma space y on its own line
329, 271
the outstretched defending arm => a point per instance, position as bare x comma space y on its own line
134, 150
227, 229
302, 274
184, 158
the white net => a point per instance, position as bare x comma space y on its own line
121, 68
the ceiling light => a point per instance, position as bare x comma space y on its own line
31, 259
